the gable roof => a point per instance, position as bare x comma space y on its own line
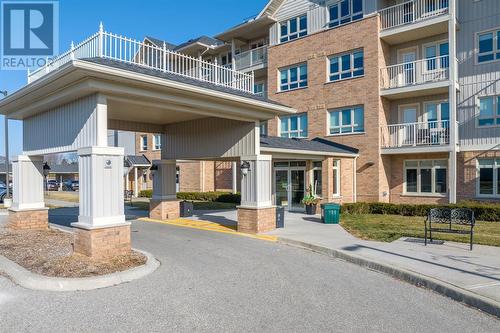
316, 145
271, 8
159, 43
137, 160
204, 40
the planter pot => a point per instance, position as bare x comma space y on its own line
311, 209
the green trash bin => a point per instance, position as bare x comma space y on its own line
330, 213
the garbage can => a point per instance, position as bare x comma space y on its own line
186, 209
330, 213
280, 217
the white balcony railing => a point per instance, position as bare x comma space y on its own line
415, 72
251, 58
431, 133
111, 46
411, 12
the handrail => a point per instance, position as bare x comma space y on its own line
411, 11
428, 133
251, 58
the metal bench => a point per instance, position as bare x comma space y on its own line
446, 220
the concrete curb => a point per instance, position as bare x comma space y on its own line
29, 280
446, 289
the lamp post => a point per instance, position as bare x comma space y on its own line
46, 171
7, 162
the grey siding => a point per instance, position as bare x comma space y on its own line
122, 139
62, 129
209, 138
476, 80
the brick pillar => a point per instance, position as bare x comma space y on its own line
28, 208
256, 213
164, 204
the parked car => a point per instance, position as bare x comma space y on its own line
52, 185
3, 193
71, 185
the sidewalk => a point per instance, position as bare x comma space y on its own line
476, 272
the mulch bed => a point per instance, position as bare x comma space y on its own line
50, 253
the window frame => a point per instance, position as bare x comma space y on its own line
352, 125
299, 124
157, 142
434, 167
496, 112
341, 72
496, 181
496, 46
351, 17
259, 84
438, 66
299, 80
144, 140
300, 33
312, 180
336, 185
263, 128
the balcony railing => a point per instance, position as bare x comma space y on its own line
430, 133
111, 46
415, 72
411, 12
251, 58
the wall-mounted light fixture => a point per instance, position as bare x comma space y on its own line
245, 167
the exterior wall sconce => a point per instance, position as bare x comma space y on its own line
245, 167
46, 169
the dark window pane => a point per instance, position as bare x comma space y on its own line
486, 122
426, 180
486, 43
357, 6
445, 111
303, 22
334, 13
358, 59
486, 180
411, 180
293, 74
346, 62
334, 65
344, 8
293, 26
318, 181
441, 186
284, 29
484, 58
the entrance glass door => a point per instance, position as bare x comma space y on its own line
289, 187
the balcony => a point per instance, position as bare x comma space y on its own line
251, 60
415, 137
413, 20
415, 78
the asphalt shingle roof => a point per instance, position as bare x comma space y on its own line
132, 160
174, 77
159, 43
317, 144
202, 39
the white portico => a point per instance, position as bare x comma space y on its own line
205, 111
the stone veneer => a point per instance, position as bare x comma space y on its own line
256, 220
35, 219
103, 242
164, 210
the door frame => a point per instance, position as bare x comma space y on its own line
289, 170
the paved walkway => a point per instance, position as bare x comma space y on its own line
477, 271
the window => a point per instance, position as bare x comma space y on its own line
294, 126
489, 111
317, 180
345, 11
293, 77
428, 177
488, 46
336, 177
258, 88
437, 56
157, 142
226, 60
488, 177
346, 66
293, 28
349, 120
263, 128
144, 142
437, 115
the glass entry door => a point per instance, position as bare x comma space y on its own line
289, 187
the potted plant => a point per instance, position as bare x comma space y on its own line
311, 201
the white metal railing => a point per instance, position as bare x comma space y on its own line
415, 72
254, 57
428, 133
111, 46
411, 12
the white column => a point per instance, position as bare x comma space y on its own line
136, 183
127, 180
101, 187
27, 183
453, 101
234, 169
256, 185
164, 185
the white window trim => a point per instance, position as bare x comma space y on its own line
311, 178
142, 143
155, 143
436, 44
299, 128
351, 14
438, 103
352, 125
351, 69
496, 166
298, 66
337, 166
433, 178
495, 111
299, 31
496, 42
263, 83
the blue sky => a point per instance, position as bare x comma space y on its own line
172, 20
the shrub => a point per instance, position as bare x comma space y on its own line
210, 196
482, 211
146, 194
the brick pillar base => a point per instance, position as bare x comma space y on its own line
256, 220
34, 219
164, 210
103, 242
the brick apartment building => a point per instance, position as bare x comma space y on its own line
412, 85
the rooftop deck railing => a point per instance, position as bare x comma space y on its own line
430, 133
415, 72
411, 12
251, 58
115, 47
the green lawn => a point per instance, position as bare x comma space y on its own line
64, 196
198, 205
388, 228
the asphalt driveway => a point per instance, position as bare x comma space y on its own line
216, 282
